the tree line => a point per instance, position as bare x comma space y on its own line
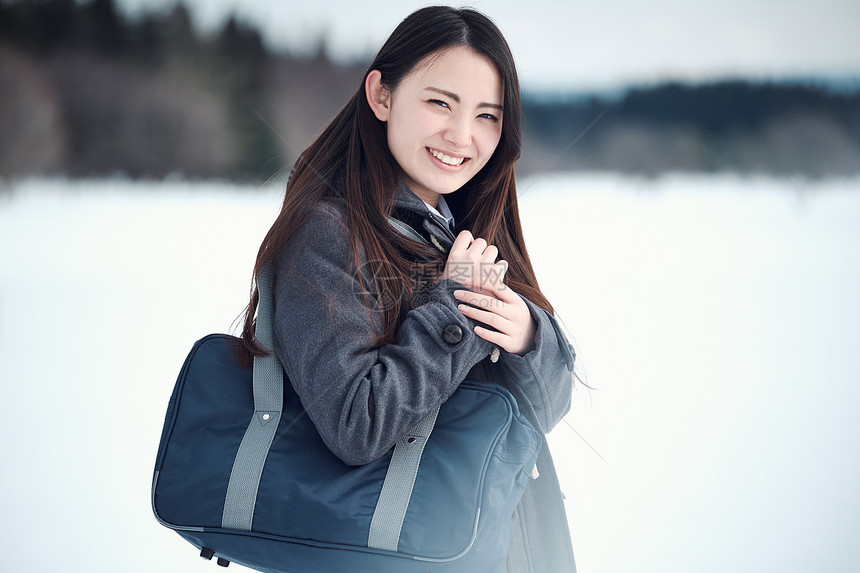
740, 126
86, 92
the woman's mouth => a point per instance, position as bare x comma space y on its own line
447, 159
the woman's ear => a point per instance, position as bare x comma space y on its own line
378, 96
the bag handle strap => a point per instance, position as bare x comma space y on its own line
390, 511
407, 230
241, 498
268, 373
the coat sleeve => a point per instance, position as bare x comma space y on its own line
361, 396
542, 379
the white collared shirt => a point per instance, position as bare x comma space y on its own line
443, 211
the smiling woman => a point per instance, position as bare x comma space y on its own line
377, 323
441, 127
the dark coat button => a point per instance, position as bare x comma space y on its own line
453, 334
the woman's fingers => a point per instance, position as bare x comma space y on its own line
472, 261
489, 318
492, 281
514, 327
490, 254
483, 308
478, 246
498, 338
483, 300
462, 242
487, 309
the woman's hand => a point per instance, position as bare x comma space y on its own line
503, 310
472, 262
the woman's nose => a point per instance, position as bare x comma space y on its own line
457, 132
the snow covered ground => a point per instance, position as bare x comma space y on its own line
717, 318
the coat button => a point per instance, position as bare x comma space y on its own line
453, 334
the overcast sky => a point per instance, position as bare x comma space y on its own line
587, 45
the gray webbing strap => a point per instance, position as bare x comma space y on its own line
241, 497
406, 230
399, 481
397, 488
268, 373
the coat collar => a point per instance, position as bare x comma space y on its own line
410, 209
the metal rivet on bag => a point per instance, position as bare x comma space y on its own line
266, 417
411, 440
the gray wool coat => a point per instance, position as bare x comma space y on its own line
362, 397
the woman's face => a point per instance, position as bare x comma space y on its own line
443, 121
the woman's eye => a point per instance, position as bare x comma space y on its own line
438, 102
489, 116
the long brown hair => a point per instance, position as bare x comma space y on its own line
351, 164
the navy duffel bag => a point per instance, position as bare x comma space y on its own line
243, 475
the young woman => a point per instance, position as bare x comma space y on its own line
374, 328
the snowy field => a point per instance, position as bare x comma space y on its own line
718, 320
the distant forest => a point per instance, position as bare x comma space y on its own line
85, 92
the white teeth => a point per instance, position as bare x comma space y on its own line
447, 158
